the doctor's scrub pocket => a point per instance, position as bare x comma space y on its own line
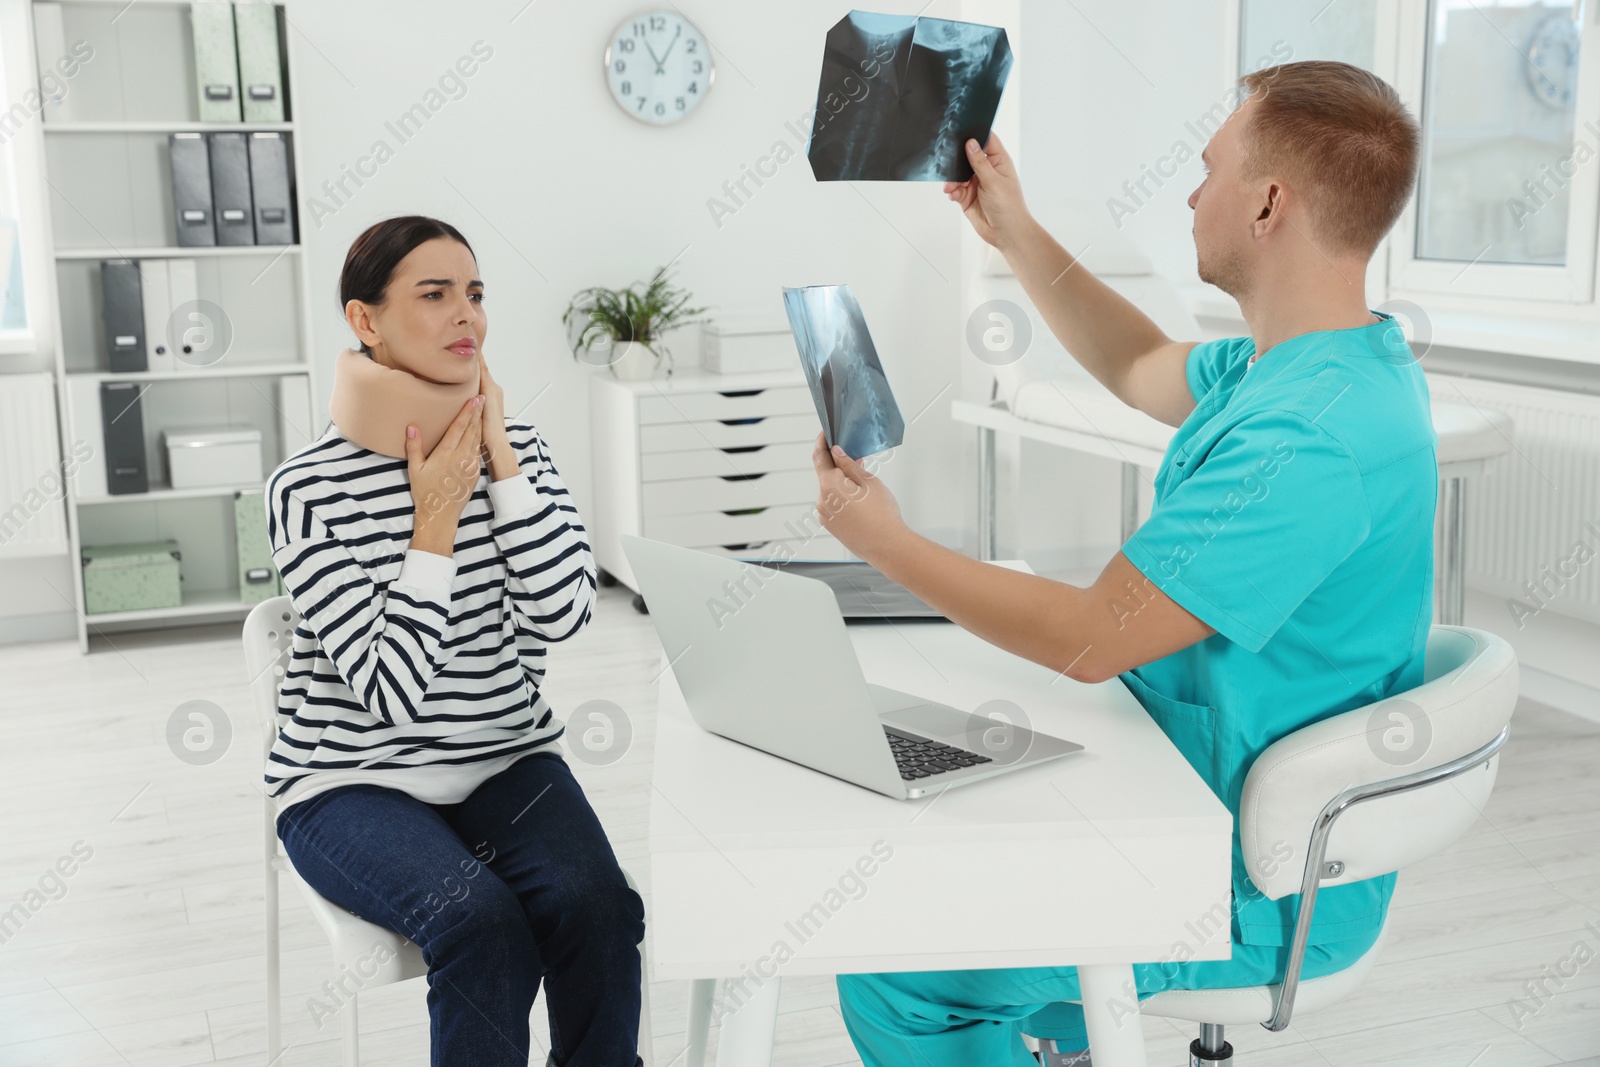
1192, 728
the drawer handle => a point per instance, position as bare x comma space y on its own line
745, 511
747, 546
743, 448
742, 392
742, 422
742, 477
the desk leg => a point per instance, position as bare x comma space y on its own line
1130, 501
1116, 1037
986, 493
702, 991
1452, 577
745, 1036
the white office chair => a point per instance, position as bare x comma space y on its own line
267, 633
1466, 700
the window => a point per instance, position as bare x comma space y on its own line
1510, 184
13, 299
1500, 94
1508, 93
1345, 30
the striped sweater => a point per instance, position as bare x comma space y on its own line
410, 669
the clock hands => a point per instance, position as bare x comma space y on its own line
663, 96
668, 52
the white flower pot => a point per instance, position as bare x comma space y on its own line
633, 362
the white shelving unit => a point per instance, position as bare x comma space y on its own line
139, 87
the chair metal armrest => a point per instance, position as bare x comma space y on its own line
1314, 872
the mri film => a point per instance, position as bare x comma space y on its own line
900, 95
848, 386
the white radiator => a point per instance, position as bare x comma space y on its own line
1533, 519
33, 516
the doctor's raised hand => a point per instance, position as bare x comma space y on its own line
992, 198
855, 506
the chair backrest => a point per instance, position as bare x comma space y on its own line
1466, 699
1086, 230
268, 634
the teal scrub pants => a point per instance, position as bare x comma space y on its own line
977, 1018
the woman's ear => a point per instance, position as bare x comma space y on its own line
359, 315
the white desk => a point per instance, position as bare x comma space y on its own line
1101, 859
1469, 436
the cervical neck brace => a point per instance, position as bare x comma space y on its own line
372, 404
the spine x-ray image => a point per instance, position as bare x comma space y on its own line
901, 94
847, 382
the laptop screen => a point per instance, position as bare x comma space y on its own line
860, 588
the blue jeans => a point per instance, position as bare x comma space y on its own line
516, 882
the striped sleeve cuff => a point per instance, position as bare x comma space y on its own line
428, 572
513, 496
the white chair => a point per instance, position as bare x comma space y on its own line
267, 639
1465, 701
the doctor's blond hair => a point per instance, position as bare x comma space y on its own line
1343, 135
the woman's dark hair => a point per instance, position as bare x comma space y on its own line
373, 257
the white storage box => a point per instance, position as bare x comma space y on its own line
739, 344
207, 456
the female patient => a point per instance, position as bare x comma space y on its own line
416, 772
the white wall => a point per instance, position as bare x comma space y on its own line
557, 189
1117, 89
1110, 87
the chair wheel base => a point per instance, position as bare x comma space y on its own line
1199, 1057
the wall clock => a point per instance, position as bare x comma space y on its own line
658, 67
1552, 54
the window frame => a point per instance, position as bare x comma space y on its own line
1566, 293
1522, 287
27, 165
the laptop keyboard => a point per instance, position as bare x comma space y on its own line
917, 758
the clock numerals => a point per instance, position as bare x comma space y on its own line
668, 84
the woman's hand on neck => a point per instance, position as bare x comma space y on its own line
497, 451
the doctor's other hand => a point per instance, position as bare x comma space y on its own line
854, 505
992, 198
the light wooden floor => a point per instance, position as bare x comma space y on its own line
153, 954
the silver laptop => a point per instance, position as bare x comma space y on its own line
763, 658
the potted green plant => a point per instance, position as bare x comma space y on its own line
622, 328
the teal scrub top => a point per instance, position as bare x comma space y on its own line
1294, 515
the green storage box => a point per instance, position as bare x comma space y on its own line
258, 577
131, 577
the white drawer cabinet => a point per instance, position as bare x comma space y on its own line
720, 463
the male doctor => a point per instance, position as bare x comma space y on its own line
1286, 571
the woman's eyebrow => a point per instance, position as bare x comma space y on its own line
448, 281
